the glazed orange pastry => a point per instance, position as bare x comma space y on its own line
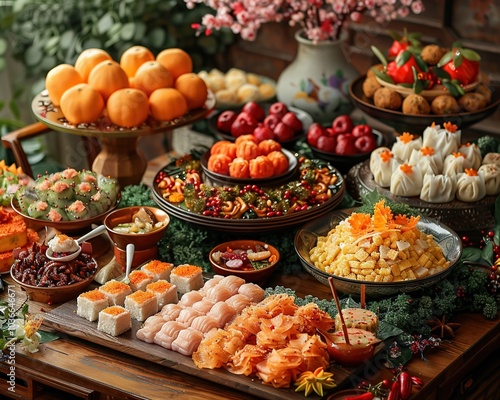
242, 138
219, 163
224, 147
269, 145
280, 162
261, 167
239, 168
247, 150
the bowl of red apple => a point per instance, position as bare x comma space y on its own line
277, 121
344, 143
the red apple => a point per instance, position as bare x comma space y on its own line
254, 109
330, 132
292, 121
314, 132
283, 132
327, 143
279, 109
263, 132
342, 124
244, 124
345, 145
362, 130
225, 120
365, 144
271, 121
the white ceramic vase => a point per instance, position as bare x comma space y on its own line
317, 81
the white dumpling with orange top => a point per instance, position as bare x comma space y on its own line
407, 180
470, 186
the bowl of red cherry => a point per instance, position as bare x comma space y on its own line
344, 143
251, 260
277, 121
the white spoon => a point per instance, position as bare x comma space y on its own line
93, 233
129, 257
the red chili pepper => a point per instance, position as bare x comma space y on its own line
406, 384
417, 381
395, 393
400, 70
364, 396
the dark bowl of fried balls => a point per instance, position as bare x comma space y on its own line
406, 111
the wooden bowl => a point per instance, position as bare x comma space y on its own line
56, 294
141, 241
258, 276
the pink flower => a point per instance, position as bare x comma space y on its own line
320, 19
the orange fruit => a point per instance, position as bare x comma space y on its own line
193, 88
88, 59
177, 61
59, 79
81, 103
134, 57
166, 104
128, 107
151, 76
107, 77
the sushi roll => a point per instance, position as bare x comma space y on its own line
89, 304
114, 320
88, 176
60, 194
116, 292
70, 176
186, 278
158, 270
164, 291
141, 305
39, 209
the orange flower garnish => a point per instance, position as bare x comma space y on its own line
458, 154
406, 137
406, 168
382, 215
452, 128
427, 151
360, 222
386, 156
470, 172
433, 124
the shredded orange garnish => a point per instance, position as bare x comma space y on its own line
386, 155
452, 128
470, 172
360, 222
406, 137
406, 168
382, 220
427, 151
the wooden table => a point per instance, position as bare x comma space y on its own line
72, 368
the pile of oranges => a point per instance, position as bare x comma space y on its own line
129, 91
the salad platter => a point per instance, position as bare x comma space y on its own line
248, 222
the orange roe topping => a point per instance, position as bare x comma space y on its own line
452, 128
187, 271
113, 287
386, 156
458, 154
406, 137
138, 276
94, 295
470, 172
157, 266
159, 286
140, 296
406, 168
11, 223
427, 151
114, 310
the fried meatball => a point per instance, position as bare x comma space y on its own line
416, 104
471, 102
370, 73
432, 53
444, 104
370, 85
485, 91
387, 98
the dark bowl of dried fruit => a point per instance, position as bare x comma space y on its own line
52, 282
251, 260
